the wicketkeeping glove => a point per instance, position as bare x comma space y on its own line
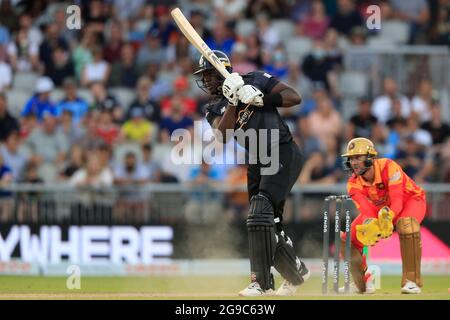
249, 94
369, 232
230, 87
385, 216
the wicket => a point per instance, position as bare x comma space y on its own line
340, 201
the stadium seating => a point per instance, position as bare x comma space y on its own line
297, 48
25, 81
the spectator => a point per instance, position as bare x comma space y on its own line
23, 53
40, 102
75, 162
5, 197
203, 205
307, 141
97, 70
164, 25
229, 10
316, 171
382, 106
174, 120
363, 123
254, 49
346, 18
68, 129
51, 42
14, 157
416, 13
105, 101
317, 66
8, 123
138, 129
411, 156
128, 176
131, 171
296, 79
5, 75
143, 102
8, 16
221, 38
276, 8
325, 122
237, 201
113, 48
421, 102
82, 54
278, 65
5, 175
181, 88
47, 144
96, 17
440, 28
439, 130
197, 21
239, 57
142, 23
93, 174
267, 34
71, 102
316, 22
124, 73
61, 67
150, 163
106, 129
161, 87
152, 52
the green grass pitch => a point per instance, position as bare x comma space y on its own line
201, 287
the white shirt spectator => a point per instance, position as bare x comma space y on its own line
382, 107
5, 75
231, 8
104, 179
96, 71
23, 61
420, 107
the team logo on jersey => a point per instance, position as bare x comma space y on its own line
351, 146
396, 176
244, 116
381, 186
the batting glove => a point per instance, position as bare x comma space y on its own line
249, 94
230, 87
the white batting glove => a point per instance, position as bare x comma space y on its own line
230, 87
249, 94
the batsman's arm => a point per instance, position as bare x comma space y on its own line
282, 95
226, 121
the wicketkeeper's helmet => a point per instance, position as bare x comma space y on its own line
360, 147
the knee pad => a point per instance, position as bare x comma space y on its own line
262, 239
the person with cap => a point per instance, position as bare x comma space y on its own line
387, 199
40, 101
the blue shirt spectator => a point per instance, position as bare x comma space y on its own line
40, 102
77, 106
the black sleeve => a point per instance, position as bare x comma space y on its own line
264, 81
214, 110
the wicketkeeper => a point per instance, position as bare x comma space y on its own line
387, 200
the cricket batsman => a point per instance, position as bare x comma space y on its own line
249, 102
387, 200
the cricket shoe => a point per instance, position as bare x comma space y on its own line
370, 287
289, 289
254, 290
411, 288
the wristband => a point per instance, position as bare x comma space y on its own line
273, 99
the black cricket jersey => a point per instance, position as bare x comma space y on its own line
253, 117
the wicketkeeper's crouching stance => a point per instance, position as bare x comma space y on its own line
250, 102
386, 198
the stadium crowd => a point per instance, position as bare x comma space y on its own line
105, 99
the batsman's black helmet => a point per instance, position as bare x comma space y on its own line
204, 64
